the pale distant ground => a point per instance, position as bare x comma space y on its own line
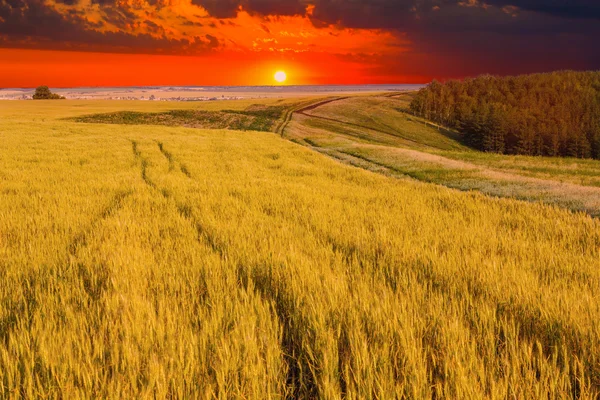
191, 93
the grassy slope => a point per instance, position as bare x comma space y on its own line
381, 113
374, 133
140, 262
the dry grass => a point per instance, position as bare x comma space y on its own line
154, 262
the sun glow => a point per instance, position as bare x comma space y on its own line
280, 76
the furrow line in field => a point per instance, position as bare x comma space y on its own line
184, 210
184, 170
347, 158
387, 167
144, 164
280, 129
291, 345
115, 204
172, 161
19, 310
313, 106
533, 326
301, 377
167, 155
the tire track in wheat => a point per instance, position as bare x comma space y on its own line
184, 210
172, 162
299, 377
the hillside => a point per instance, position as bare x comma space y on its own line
378, 133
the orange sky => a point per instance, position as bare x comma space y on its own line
245, 50
64, 43
29, 68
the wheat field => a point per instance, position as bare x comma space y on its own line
160, 262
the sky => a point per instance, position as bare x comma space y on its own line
66, 43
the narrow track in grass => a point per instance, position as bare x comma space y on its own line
95, 278
184, 210
289, 113
305, 112
172, 161
314, 106
167, 155
299, 375
112, 208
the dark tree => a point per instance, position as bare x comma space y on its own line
44, 93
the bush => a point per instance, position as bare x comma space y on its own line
44, 93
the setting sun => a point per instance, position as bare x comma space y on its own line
280, 76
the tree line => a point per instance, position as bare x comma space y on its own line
551, 114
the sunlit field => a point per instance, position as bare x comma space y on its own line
143, 261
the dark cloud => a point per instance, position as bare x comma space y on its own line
587, 9
390, 13
281, 7
33, 24
404, 14
229, 8
457, 38
192, 23
219, 8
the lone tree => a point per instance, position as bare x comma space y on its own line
44, 93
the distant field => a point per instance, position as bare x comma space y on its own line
184, 93
145, 261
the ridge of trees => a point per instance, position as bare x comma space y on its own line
550, 114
